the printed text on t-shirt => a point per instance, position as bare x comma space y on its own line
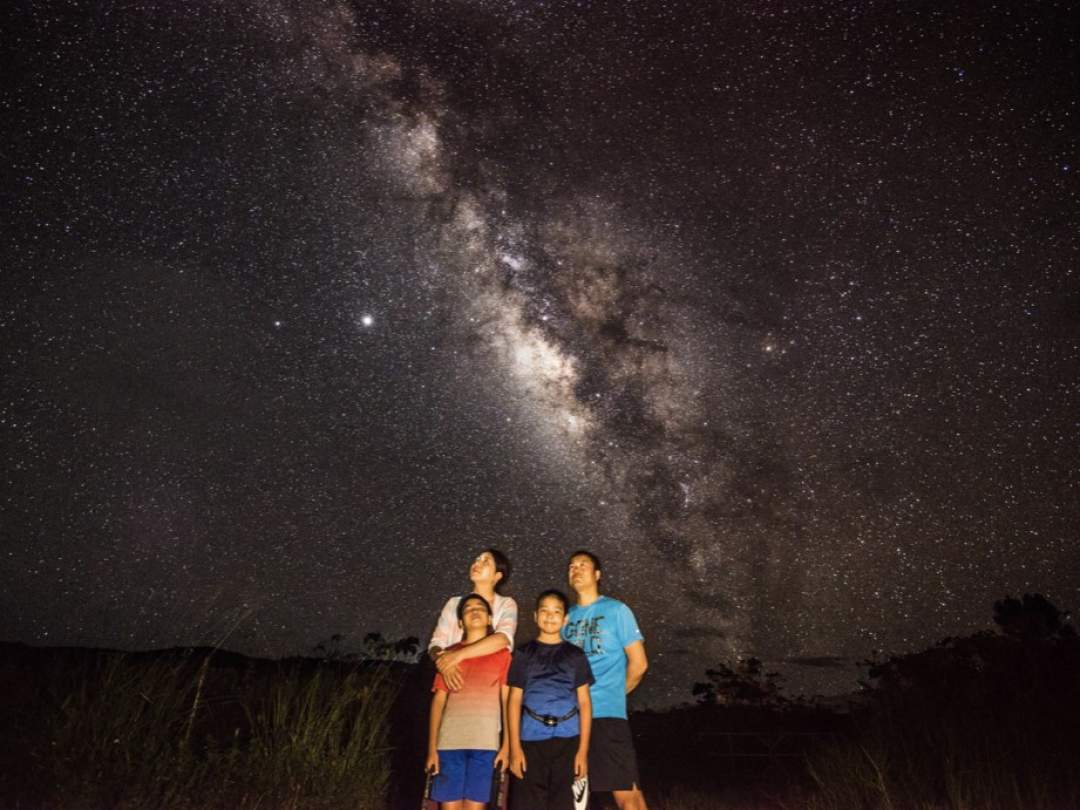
586, 634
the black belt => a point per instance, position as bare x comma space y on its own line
550, 720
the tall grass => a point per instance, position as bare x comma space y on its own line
986, 722
323, 738
127, 733
1002, 736
866, 775
115, 734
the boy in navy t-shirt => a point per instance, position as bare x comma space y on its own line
550, 713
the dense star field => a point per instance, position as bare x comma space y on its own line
774, 306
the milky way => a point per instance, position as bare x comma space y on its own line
776, 309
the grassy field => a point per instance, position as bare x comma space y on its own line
982, 723
97, 729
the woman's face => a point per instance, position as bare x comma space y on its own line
482, 571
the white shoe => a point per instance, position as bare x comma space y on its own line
581, 793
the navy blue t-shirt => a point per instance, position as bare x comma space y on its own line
549, 675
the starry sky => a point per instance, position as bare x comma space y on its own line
775, 306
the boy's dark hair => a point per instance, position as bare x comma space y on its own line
502, 566
557, 594
583, 553
466, 598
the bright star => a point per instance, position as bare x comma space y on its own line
367, 320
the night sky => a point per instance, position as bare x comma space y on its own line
775, 306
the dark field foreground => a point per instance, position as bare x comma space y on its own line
989, 722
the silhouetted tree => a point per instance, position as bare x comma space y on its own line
378, 648
968, 710
375, 648
987, 671
331, 649
1032, 618
746, 683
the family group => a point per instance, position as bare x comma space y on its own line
552, 711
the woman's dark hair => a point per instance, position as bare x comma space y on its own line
502, 566
554, 593
466, 598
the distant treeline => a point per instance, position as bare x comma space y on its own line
985, 722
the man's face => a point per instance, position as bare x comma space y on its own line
550, 615
482, 571
582, 574
475, 614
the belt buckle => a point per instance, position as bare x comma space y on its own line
551, 720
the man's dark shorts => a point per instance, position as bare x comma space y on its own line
612, 761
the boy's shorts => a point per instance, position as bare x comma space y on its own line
612, 761
549, 775
464, 773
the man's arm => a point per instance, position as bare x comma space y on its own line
636, 664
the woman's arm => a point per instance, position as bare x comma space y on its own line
442, 636
485, 646
501, 639
506, 619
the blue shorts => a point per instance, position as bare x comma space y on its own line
464, 773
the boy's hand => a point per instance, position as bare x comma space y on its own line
502, 759
517, 763
581, 764
447, 664
431, 764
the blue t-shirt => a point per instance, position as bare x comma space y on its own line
549, 675
603, 630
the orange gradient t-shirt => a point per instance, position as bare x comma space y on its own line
473, 714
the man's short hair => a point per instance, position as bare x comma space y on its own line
554, 593
502, 566
468, 597
583, 553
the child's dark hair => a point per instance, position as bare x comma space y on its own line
583, 553
466, 598
502, 566
554, 593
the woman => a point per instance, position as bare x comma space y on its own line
489, 573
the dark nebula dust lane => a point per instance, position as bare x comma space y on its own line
775, 308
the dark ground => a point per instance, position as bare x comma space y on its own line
693, 747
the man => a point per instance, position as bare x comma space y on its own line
607, 632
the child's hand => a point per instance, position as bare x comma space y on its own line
502, 759
517, 763
581, 764
431, 765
